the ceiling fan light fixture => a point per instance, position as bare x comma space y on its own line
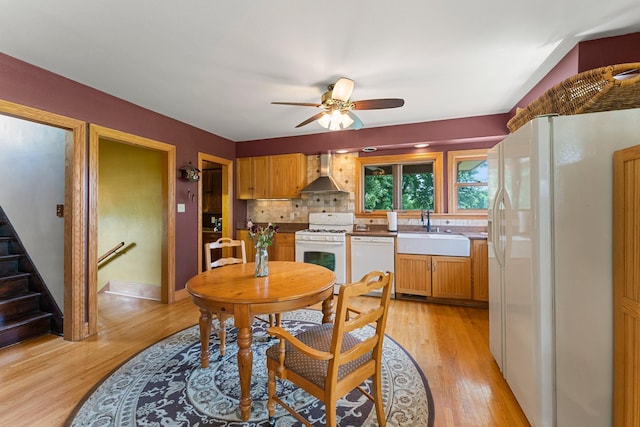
346, 120
325, 120
342, 89
335, 120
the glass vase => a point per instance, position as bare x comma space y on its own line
262, 261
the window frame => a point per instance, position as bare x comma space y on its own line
438, 178
453, 158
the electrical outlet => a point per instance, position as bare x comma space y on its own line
60, 211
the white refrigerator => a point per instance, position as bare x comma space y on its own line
550, 264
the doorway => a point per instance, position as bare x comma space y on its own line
75, 214
156, 163
215, 193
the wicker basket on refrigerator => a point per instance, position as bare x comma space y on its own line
615, 87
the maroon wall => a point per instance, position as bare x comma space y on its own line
609, 51
455, 131
28, 85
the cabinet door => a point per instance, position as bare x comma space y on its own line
244, 178
451, 277
413, 275
261, 177
284, 247
480, 269
252, 177
287, 175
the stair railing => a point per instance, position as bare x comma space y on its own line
111, 252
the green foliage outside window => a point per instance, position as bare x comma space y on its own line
416, 187
417, 191
378, 192
471, 177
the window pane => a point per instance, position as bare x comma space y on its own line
417, 186
475, 197
378, 187
472, 171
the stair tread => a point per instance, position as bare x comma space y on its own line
25, 295
13, 275
23, 320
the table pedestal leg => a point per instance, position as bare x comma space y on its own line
327, 310
205, 332
245, 363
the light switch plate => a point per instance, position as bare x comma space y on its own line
181, 207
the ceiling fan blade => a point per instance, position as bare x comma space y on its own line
342, 89
299, 104
311, 119
357, 123
378, 104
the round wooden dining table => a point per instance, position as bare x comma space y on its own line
234, 289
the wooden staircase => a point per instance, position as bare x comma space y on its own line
27, 309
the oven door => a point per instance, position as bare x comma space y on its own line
331, 255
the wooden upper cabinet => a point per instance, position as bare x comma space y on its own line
252, 177
288, 175
271, 177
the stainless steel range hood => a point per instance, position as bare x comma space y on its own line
324, 183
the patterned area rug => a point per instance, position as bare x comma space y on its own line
164, 385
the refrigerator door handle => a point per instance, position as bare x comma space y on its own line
505, 231
497, 227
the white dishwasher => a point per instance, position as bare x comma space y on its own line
370, 253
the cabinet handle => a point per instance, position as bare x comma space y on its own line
434, 267
428, 266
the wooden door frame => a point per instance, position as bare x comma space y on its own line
227, 199
169, 216
75, 325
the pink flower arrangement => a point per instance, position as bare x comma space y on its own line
262, 236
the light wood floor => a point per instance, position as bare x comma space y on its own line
42, 380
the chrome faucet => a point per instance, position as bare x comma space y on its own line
428, 224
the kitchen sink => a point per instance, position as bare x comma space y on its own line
433, 244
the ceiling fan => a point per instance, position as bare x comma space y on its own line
338, 109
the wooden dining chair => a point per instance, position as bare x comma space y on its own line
222, 243
330, 360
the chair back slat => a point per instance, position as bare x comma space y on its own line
376, 316
222, 243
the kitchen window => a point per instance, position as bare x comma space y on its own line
403, 183
468, 189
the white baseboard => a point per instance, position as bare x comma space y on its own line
130, 289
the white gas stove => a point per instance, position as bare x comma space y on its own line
324, 242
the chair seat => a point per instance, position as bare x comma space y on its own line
318, 337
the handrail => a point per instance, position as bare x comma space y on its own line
110, 252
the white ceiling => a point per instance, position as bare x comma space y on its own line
217, 64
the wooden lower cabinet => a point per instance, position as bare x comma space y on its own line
433, 276
480, 269
283, 248
413, 274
